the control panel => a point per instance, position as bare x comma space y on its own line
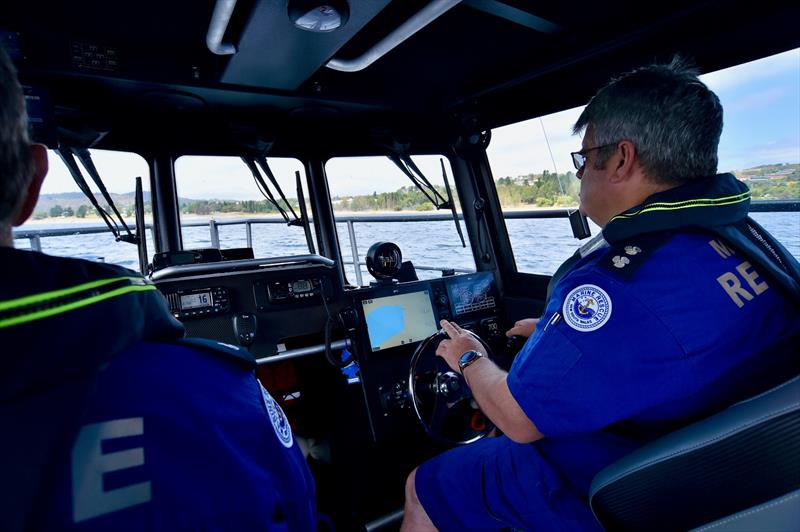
199, 302
396, 317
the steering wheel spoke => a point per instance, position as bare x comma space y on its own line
442, 401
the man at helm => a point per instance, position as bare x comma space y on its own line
680, 307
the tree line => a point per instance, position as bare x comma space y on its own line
540, 190
544, 189
82, 211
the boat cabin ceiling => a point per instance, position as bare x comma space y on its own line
131, 75
241, 78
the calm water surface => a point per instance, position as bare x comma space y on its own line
539, 245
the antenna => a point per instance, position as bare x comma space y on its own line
578, 222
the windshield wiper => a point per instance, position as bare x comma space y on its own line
265, 190
452, 204
68, 156
301, 199
407, 166
253, 163
262, 162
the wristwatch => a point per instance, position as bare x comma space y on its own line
467, 359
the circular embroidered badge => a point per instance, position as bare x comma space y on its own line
278, 419
587, 308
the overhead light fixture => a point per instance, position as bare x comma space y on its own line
319, 16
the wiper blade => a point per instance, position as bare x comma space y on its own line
262, 162
263, 188
86, 160
452, 204
68, 156
407, 166
304, 213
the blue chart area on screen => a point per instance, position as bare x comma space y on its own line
383, 323
399, 319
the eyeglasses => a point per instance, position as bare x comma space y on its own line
579, 157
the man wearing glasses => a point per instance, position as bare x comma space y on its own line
681, 306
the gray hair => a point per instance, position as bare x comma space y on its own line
16, 166
672, 118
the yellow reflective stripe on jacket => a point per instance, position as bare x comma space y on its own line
54, 294
72, 305
688, 204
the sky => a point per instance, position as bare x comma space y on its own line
761, 102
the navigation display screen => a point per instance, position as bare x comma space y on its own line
202, 299
399, 320
471, 293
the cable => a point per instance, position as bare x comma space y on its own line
329, 324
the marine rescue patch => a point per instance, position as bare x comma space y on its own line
278, 418
587, 308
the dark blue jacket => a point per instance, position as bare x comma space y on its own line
113, 422
690, 308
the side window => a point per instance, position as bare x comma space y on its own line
534, 174
219, 199
374, 201
760, 141
64, 221
760, 144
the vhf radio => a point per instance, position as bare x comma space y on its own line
199, 302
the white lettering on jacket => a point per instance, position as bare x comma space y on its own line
89, 465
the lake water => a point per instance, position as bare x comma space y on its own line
539, 245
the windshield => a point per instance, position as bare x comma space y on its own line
374, 201
220, 200
65, 223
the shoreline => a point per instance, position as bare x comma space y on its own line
96, 220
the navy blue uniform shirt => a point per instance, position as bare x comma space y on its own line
690, 307
687, 333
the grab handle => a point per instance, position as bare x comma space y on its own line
408, 28
216, 29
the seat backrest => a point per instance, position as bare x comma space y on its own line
738, 468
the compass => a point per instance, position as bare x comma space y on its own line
384, 260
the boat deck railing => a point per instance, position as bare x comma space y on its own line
35, 236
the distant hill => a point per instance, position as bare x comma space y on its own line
74, 200
770, 172
770, 181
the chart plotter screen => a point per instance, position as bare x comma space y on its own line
399, 319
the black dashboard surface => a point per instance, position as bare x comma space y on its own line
285, 308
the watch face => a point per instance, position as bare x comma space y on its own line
467, 358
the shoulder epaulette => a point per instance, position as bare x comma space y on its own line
231, 352
625, 259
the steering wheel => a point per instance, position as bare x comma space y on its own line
441, 398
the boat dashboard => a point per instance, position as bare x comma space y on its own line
290, 308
